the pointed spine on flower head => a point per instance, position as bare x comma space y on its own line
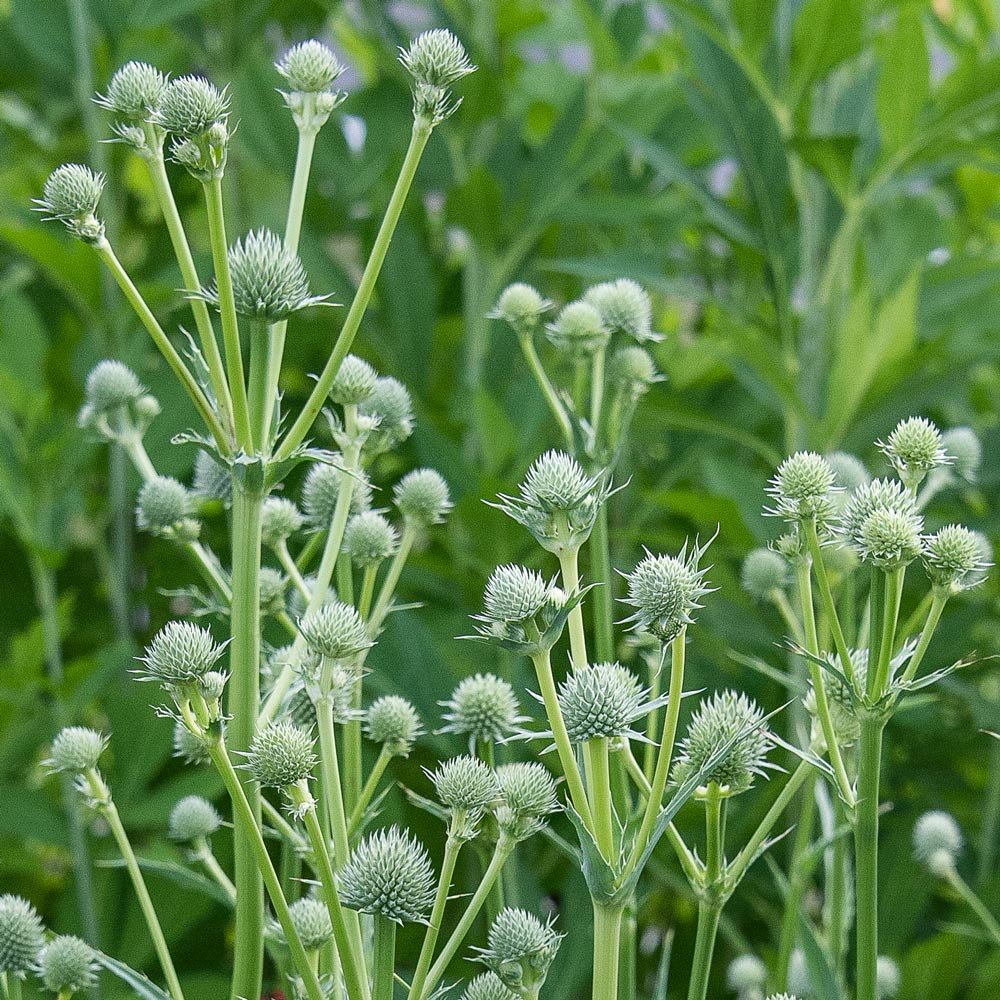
196, 114
625, 308
484, 708
802, 488
310, 70
914, 448
520, 949
953, 558
421, 497
281, 755
193, 818
488, 986
70, 196
521, 306
335, 630
180, 655
393, 722
76, 750
435, 60
467, 787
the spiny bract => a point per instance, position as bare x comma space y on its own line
189, 106
514, 594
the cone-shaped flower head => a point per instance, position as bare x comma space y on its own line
953, 558
963, 447
70, 195
162, 503
309, 67
393, 722
746, 973
390, 874
67, 965
369, 539
522, 306
389, 403
279, 520
937, 841
913, 449
578, 330
520, 949
514, 594
624, 307
728, 719
335, 630
421, 496
887, 978
281, 755
190, 106
467, 787
633, 370
802, 488
601, 700
180, 654
21, 935
764, 572
134, 92
76, 749
666, 591
483, 707
890, 538
193, 817
311, 919
528, 796
488, 986
322, 487
354, 382
435, 60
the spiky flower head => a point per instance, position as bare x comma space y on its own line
878, 495
211, 479
279, 519
67, 965
801, 488
335, 630
578, 330
913, 449
76, 749
21, 935
963, 447
937, 841
421, 496
309, 67
483, 707
528, 796
189, 747
322, 487
520, 949
180, 654
765, 572
134, 92
162, 503
369, 539
514, 594
354, 382
624, 307
281, 755
70, 195
191, 106
633, 369
666, 591
953, 558
393, 722
391, 406
726, 718
111, 385
888, 978
522, 306
311, 920
390, 874
467, 787
193, 817
601, 700
435, 60
488, 986
891, 538
746, 973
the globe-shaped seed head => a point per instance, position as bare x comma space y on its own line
436, 59
802, 487
21, 935
162, 503
633, 369
72, 192
764, 572
665, 592
600, 700
488, 986
335, 630
190, 106
483, 707
578, 330
67, 965
134, 92
520, 949
393, 722
556, 483
281, 755
389, 874
514, 594
280, 519
891, 538
421, 496
914, 448
624, 307
937, 841
745, 973
193, 817
76, 749
522, 306
953, 556
528, 795
888, 978
309, 67
111, 385
354, 382
465, 784
726, 718
963, 447
369, 539
311, 919
390, 404
322, 487
181, 653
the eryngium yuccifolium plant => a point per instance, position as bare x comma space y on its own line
578, 330
188, 746
111, 385
134, 92
312, 922
279, 520
467, 787
937, 841
322, 487
435, 60
309, 67
764, 572
624, 307
633, 370
421, 497
21, 935
913, 449
192, 818
190, 106
965, 451
392, 722
488, 986
520, 949
369, 539
483, 707
67, 965
953, 558
76, 749
522, 307
70, 195
528, 796
390, 407
870, 498
389, 874
890, 538
602, 700
180, 654
163, 502
849, 472
514, 594
335, 630
281, 755
354, 383
802, 487
731, 719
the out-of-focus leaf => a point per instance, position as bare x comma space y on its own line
903, 76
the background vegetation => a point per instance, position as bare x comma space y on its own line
809, 190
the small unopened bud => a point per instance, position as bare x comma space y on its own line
111, 386
488, 986
467, 786
633, 370
746, 973
393, 722
134, 92
281, 755
421, 496
354, 382
578, 330
192, 818
913, 449
963, 447
309, 67
528, 796
802, 487
280, 519
624, 307
887, 978
161, 504
311, 920
522, 306
321, 490
764, 572
71, 195
390, 404
76, 749
67, 965
849, 472
180, 654
335, 630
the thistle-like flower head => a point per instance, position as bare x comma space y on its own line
211, 479
70, 195
965, 451
354, 382
369, 539
514, 594
937, 841
161, 504
421, 496
953, 558
322, 487
335, 630
311, 920
391, 407
436, 58
632, 368
21, 935
110, 386
602, 700
390, 874
913, 449
578, 330
180, 654
890, 538
393, 722
801, 488
520, 949
467, 787
190, 106
134, 92
193, 817
76, 749
746, 973
281, 755
309, 67
522, 307
488, 986
528, 796
279, 520
764, 572
877, 495
483, 707
624, 307
726, 717
67, 965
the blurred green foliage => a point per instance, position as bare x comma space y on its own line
809, 190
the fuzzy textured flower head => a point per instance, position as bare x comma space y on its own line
522, 307
578, 331
765, 572
937, 841
70, 195
110, 386
624, 308
162, 503
601, 701
483, 707
633, 369
877, 495
520, 949
528, 796
393, 722
134, 92
666, 591
180, 654
369, 539
190, 106
335, 630
389, 874
514, 594
435, 60
76, 749
849, 472
309, 67
953, 558
390, 405
322, 487
211, 479
192, 818
488, 986
354, 382
67, 965
729, 718
279, 520
311, 920
281, 755
466, 786
965, 452
745, 973
913, 449
21, 935
421, 496
802, 488
891, 538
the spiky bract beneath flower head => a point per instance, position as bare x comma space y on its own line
514, 594
890, 538
665, 592
391, 406
488, 986
161, 504
746, 972
281, 755
522, 306
436, 59
520, 949
421, 496
193, 817
528, 796
624, 307
369, 539
335, 630
110, 386
389, 874
393, 722
913, 449
71, 195
764, 572
601, 700
878, 495
322, 488
67, 965
180, 654
21, 935
190, 106
953, 558
965, 451
801, 487
727, 719
311, 919
466, 785
483, 707
280, 519
354, 382
634, 370
76, 749
309, 67
578, 330
134, 92
937, 841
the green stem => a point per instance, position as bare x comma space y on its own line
569, 564
207, 857
368, 792
974, 903
392, 576
607, 942
797, 886
826, 596
600, 551
300, 184
866, 856
890, 620
383, 958
704, 947
368, 578
261, 341
837, 891
597, 395
551, 397
332, 789
291, 569
452, 848
938, 603
317, 399
595, 756
788, 615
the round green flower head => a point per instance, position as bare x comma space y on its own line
70, 195
309, 67
134, 92
913, 449
764, 572
483, 707
181, 653
878, 495
522, 306
335, 630
520, 949
389, 874
528, 795
488, 986
436, 59
190, 106
311, 919
849, 472
465, 785
187, 746
279, 519
421, 496
390, 404
393, 722
746, 973
514, 594
281, 755
354, 382
556, 482
67, 965
963, 448
369, 539
937, 841
193, 818
633, 369
887, 978
76, 749
21, 935
578, 330
891, 538
601, 700
727, 718
624, 307
953, 556
211, 479
111, 385
322, 487
162, 503
273, 584
801, 488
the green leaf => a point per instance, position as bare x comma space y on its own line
826, 33
903, 77
832, 156
177, 873
136, 981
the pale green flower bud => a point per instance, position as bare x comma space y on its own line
802, 487
134, 92
211, 479
279, 520
764, 572
601, 700
335, 630
520, 950
849, 472
70, 195
76, 749
745, 973
435, 60
488, 986
190, 107
937, 841
624, 308
21, 935
633, 370
393, 722
467, 786
388, 874
192, 818
273, 584
953, 558
111, 385
963, 447
421, 496
891, 538
311, 919
483, 707
887, 978
514, 594
391, 406
578, 331
354, 382
180, 654
521, 306
281, 755
161, 504
322, 487
67, 965
528, 796
309, 67
369, 539
913, 449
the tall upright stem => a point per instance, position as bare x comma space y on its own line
383, 958
452, 848
595, 755
704, 948
527, 340
607, 949
600, 553
569, 564
866, 856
